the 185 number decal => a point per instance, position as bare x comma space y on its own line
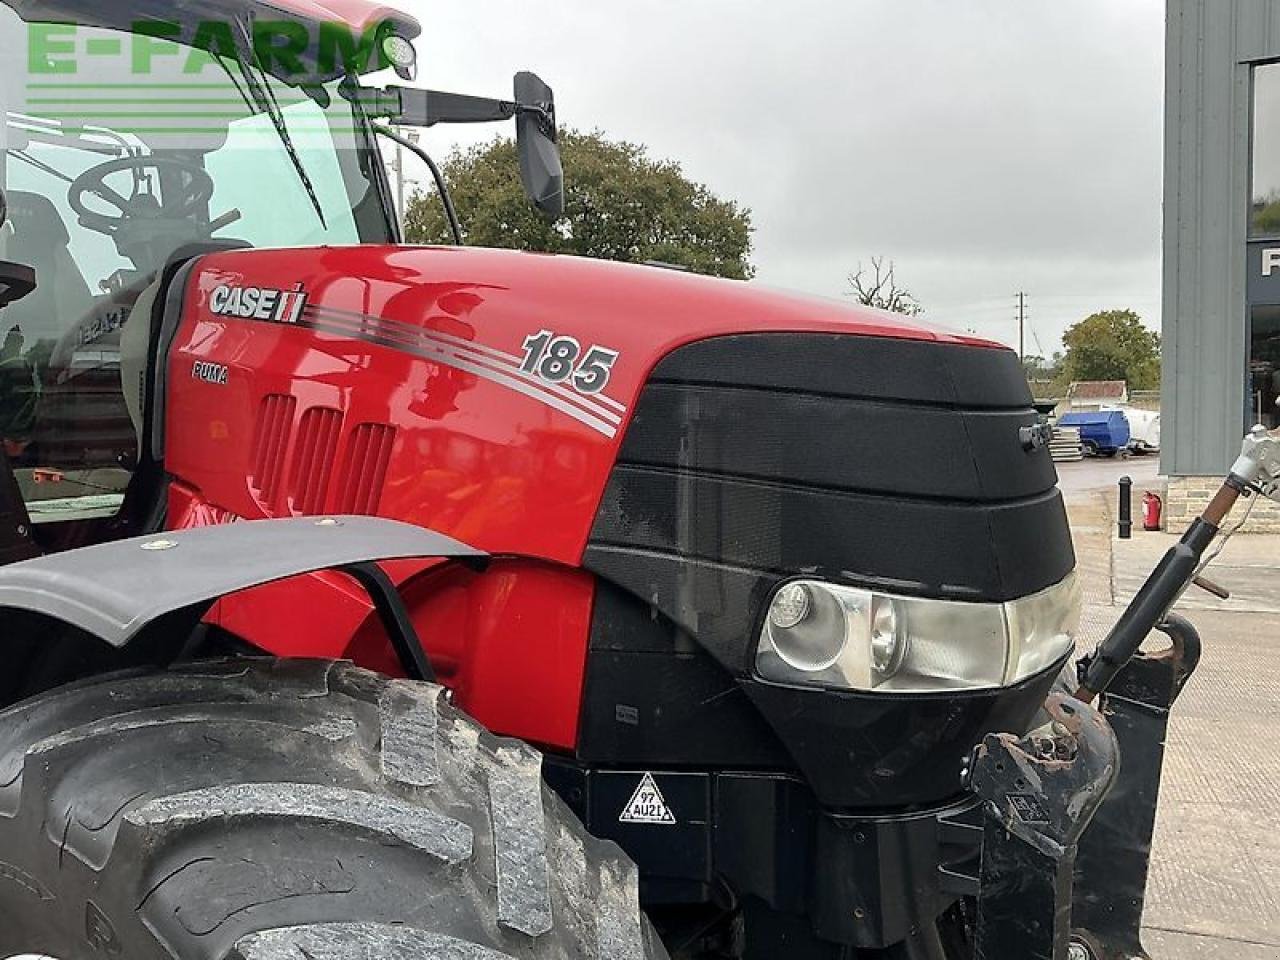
561, 360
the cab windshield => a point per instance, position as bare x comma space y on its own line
117, 150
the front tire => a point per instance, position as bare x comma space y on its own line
263, 810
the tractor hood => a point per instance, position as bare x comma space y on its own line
491, 355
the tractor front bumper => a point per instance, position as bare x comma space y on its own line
1048, 848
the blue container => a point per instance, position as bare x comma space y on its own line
1104, 431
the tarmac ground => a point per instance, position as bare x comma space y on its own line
1214, 890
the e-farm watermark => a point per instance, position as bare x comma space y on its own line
152, 72
283, 48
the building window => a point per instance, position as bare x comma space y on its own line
1265, 218
1264, 366
1264, 227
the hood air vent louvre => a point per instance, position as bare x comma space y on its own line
314, 456
368, 455
270, 441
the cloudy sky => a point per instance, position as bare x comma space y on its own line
986, 146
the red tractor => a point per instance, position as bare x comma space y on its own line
588, 610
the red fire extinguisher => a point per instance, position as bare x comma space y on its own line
1151, 507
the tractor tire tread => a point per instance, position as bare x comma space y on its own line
262, 809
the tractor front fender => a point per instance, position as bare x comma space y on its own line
151, 592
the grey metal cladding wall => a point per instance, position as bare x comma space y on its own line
1258, 29
1208, 46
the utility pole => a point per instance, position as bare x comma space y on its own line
399, 167
1022, 326
402, 181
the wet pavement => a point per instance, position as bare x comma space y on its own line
1214, 889
1102, 473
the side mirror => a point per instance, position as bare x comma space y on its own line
534, 109
536, 135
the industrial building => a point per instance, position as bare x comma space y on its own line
1221, 326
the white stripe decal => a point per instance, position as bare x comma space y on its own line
610, 402
413, 338
564, 393
602, 406
459, 341
438, 355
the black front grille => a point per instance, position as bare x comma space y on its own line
870, 461
895, 464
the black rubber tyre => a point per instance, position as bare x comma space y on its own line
263, 810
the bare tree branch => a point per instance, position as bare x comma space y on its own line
880, 289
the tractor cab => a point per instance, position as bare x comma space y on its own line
135, 137
120, 149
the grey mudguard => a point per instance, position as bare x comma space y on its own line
115, 590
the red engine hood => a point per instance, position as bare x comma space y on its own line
480, 393
441, 353
643, 312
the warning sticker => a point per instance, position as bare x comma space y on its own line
1028, 808
647, 805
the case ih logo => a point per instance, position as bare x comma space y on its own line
257, 303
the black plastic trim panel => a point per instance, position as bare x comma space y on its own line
838, 443
920, 372
965, 551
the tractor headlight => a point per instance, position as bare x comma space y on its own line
829, 635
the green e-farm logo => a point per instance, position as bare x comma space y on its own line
282, 48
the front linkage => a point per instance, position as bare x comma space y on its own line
1050, 888
1115, 852
1040, 793
1066, 839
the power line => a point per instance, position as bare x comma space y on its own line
1036, 337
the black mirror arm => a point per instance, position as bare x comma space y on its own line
410, 107
533, 109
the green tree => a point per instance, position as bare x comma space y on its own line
1113, 345
1266, 214
1040, 370
620, 204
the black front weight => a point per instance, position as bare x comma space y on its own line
1039, 794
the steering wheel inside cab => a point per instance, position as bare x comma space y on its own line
167, 206
17, 280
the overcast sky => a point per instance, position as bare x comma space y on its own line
986, 146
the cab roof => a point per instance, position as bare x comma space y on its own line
122, 14
357, 14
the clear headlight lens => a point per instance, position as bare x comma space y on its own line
829, 635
